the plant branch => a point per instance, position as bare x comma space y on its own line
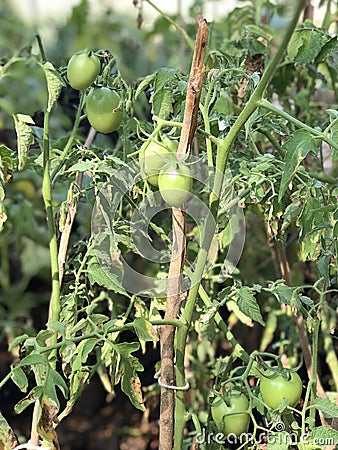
61, 159
54, 306
267, 105
176, 25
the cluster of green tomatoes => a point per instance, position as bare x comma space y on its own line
103, 105
162, 168
231, 409
159, 163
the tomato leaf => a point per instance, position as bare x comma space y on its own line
53, 379
33, 395
144, 330
54, 84
330, 47
25, 137
328, 408
145, 83
129, 365
19, 378
305, 46
325, 434
7, 436
162, 95
111, 281
247, 303
296, 149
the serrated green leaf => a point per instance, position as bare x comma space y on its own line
18, 340
32, 360
110, 281
161, 98
283, 293
325, 435
290, 215
25, 137
67, 351
330, 47
328, 408
144, 330
129, 365
54, 84
247, 303
6, 163
296, 149
19, 378
305, 46
145, 83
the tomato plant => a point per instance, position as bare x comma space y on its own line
153, 156
103, 107
230, 413
82, 70
276, 387
88, 259
175, 184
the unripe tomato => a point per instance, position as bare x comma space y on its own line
153, 156
224, 415
175, 183
102, 107
275, 388
82, 70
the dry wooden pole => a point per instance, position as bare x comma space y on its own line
174, 295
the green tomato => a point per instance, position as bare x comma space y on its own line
82, 70
224, 415
175, 183
153, 157
102, 107
276, 389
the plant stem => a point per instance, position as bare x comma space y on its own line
315, 341
53, 249
237, 348
185, 36
68, 146
224, 148
267, 105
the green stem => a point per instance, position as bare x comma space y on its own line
315, 341
53, 249
42, 50
224, 148
236, 346
329, 17
68, 146
267, 105
185, 36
